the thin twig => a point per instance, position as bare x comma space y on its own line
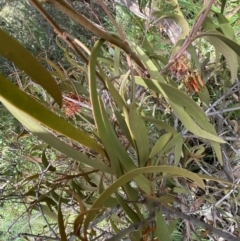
87, 24
190, 38
37, 236
226, 195
172, 211
230, 91
223, 111
40, 208
78, 102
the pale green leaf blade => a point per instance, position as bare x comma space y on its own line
48, 212
186, 109
228, 53
139, 135
153, 70
160, 144
204, 97
160, 124
192, 126
116, 61
213, 33
178, 149
217, 148
225, 26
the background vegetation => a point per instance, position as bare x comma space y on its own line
119, 123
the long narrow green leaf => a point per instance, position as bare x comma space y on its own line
10, 96
160, 144
162, 229
175, 141
139, 135
123, 126
99, 113
176, 171
191, 125
15, 52
48, 212
228, 53
232, 44
116, 61
129, 211
225, 26
185, 107
160, 124
114, 149
61, 223
178, 149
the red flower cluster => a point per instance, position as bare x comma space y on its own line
70, 108
191, 79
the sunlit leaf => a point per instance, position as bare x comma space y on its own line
186, 109
116, 219
160, 144
46, 211
225, 26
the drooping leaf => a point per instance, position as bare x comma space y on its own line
186, 109
204, 97
48, 212
191, 125
116, 61
116, 219
160, 124
178, 149
10, 96
116, 153
228, 53
23, 112
176, 171
213, 33
15, 52
208, 24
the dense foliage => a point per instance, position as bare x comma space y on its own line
119, 122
